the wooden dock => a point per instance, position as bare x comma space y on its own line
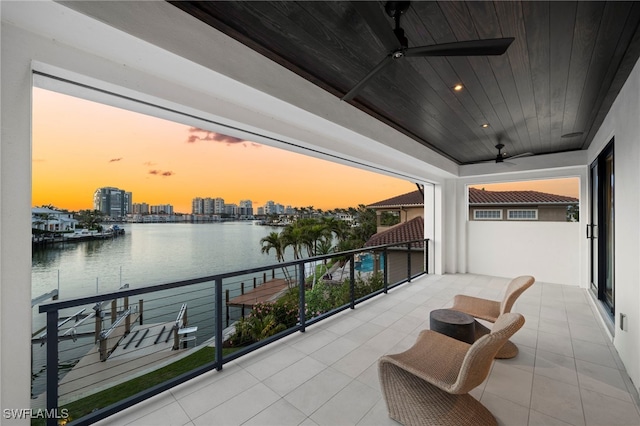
267, 292
145, 353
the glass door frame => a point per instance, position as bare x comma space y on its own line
601, 228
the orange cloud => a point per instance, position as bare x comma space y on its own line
205, 135
161, 173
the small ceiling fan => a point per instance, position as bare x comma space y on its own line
502, 156
395, 9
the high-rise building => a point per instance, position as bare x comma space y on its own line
197, 206
140, 208
230, 209
113, 202
218, 206
208, 206
245, 208
162, 209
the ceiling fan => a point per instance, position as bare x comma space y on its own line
395, 9
501, 156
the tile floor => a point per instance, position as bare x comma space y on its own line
567, 371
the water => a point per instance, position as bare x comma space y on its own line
146, 254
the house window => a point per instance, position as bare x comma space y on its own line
530, 214
487, 214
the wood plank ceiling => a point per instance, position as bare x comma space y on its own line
548, 93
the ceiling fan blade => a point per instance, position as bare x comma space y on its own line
524, 154
354, 91
494, 46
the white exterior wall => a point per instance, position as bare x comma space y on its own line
623, 124
549, 251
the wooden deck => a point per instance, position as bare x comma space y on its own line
266, 292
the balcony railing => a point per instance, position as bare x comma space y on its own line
116, 349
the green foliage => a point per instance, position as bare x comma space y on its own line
366, 219
325, 297
266, 319
255, 328
365, 286
90, 219
389, 218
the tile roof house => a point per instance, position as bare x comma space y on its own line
410, 210
407, 206
519, 205
407, 231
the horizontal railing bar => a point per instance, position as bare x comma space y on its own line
261, 343
68, 303
328, 314
53, 307
105, 412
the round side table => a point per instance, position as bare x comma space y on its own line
454, 324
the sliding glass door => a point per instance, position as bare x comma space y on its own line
600, 230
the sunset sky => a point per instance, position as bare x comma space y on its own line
79, 146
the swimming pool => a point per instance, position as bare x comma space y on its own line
366, 263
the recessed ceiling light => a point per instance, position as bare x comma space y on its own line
458, 87
484, 125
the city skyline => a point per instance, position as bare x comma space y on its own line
80, 145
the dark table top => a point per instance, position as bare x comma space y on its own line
450, 316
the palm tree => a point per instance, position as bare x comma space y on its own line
275, 242
338, 227
316, 232
293, 236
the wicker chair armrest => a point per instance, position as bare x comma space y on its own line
434, 357
485, 309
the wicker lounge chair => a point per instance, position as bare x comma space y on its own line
490, 310
429, 383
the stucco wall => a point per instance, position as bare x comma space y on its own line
622, 124
547, 250
545, 213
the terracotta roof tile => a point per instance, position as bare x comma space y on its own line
407, 231
479, 196
414, 198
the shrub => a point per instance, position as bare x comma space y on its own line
325, 297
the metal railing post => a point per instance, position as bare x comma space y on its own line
385, 270
409, 262
352, 282
52, 365
302, 304
218, 311
426, 255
